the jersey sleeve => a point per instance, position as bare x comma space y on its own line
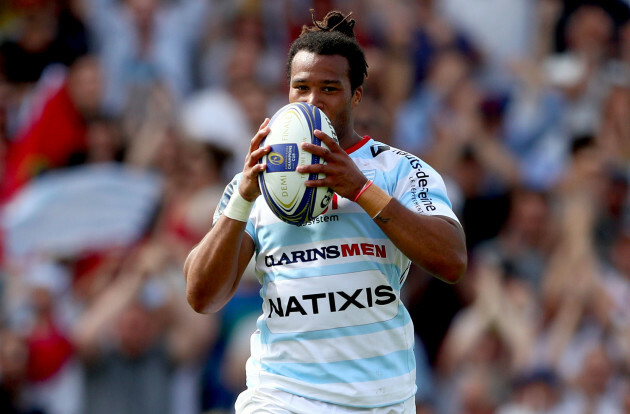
223, 202
420, 188
225, 198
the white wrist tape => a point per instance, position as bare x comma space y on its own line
238, 208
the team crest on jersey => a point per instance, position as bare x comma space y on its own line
369, 174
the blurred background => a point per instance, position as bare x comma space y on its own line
121, 121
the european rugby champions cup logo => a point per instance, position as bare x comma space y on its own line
282, 158
275, 158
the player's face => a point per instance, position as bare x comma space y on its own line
323, 80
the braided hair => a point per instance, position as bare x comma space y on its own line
334, 35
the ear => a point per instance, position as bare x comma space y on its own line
356, 97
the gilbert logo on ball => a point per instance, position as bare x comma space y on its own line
281, 185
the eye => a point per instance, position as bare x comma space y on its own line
300, 87
329, 89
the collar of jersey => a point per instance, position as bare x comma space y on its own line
358, 145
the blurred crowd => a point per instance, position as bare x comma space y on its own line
121, 121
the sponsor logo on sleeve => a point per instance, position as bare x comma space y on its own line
419, 181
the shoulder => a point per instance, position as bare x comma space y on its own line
387, 155
233, 183
371, 148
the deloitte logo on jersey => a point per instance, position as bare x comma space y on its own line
301, 305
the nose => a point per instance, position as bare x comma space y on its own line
314, 99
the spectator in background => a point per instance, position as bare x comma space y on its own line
133, 336
559, 95
49, 32
31, 49
13, 367
433, 33
535, 391
40, 35
524, 242
34, 310
149, 132
53, 373
141, 42
430, 104
499, 29
246, 40
616, 283
614, 130
239, 105
53, 135
474, 393
460, 133
583, 70
494, 335
186, 209
534, 128
574, 302
388, 53
103, 142
592, 389
224, 376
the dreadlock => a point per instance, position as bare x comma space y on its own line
334, 35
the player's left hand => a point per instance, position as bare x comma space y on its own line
342, 174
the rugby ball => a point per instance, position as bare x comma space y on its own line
280, 184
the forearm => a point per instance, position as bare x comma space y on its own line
434, 243
518, 333
214, 267
563, 327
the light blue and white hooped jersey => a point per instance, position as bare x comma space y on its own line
333, 327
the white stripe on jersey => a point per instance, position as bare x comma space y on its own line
348, 347
359, 394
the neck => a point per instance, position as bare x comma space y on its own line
349, 139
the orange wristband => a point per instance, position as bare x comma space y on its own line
373, 200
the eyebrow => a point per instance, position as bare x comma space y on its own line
324, 82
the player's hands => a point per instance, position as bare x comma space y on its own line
248, 187
342, 174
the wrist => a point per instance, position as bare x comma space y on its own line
365, 187
372, 199
238, 208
